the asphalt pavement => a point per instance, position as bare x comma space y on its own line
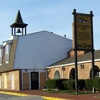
12, 97
7, 95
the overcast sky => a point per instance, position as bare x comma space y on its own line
51, 15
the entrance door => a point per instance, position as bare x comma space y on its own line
34, 80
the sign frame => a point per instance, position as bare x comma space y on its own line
76, 48
83, 34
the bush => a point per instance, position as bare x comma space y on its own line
96, 83
63, 84
81, 84
51, 84
69, 84
55, 83
59, 83
88, 84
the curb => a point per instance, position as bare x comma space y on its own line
14, 93
21, 94
52, 98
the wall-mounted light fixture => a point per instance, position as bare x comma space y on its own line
25, 70
48, 70
7, 73
81, 66
63, 68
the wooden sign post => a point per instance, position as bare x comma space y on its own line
83, 38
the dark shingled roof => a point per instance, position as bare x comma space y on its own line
19, 18
85, 57
18, 21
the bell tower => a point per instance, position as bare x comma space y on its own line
18, 28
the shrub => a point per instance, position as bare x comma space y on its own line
88, 84
96, 83
81, 84
51, 84
55, 83
59, 83
69, 84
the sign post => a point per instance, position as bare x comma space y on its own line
75, 50
92, 51
83, 38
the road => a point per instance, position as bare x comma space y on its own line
11, 97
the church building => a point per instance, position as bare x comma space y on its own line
24, 57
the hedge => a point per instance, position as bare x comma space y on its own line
81, 84
96, 83
92, 83
69, 84
63, 84
55, 84
88, 84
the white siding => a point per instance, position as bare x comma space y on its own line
38, 50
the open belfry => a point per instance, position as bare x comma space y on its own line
19, 25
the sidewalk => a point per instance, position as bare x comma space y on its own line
54, 96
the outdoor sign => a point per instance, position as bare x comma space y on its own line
83, 39
83, 27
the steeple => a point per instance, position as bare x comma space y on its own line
19, 18
18, 25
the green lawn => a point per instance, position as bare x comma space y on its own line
71, 92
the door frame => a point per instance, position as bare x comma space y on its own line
37, 84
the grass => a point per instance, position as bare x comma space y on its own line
71, 92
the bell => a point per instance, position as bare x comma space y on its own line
18, 31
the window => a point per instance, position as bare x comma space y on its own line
0, 80
1, 55
12, 81
56, 75
72, 73
5, 81
96, 72
7, 45
7, 52
0, 60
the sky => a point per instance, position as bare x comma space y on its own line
51, 15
